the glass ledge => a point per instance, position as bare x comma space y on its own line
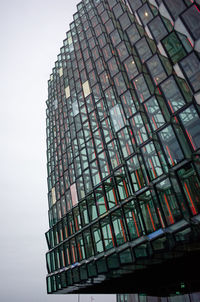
155, 234
196, 219
178, 225
139, 241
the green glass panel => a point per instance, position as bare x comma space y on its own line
174, 47
132, 218
107, 234
126, 257
88, 243
98, 244
113, 261
92, 207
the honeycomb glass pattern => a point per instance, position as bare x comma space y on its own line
123, 139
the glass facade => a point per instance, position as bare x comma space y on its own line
192, 297
123, 140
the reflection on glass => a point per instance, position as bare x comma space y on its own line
173, 95
137, 172
191, 186
168, 201
152, 161
149, 213
117, 117
156, 69
191, 123
171, 146
154, 113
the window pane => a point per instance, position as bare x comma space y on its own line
171, 146
156, 69
114, 154
149, 213
117, 117
131, 68
125, 142
143, 49
98, 245
110, 193
191, 67
115, 37
113, 66
124, 21
174, 47
128, 103
168, 201
192, 19
107, 234
120, 83
133, 34
191, 186
152, 161
141, 88
154, 113
175, 7
158, 28
132, 215
119, 227
86, 88
137, 172
135, 4
122, 51
191, 123
84, 213
145, 14
88, 243
173, 95
92, 207
123, 184
139, 130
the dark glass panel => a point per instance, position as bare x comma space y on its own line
171, 146
168, 201
97, 238
191, 18
158, 28
137, 172
119, 227
174, 47
191, 123
156, 69
133, 220
149, 212
173, 95
152, 161
175, 7
107, 233
191, 185
191, 68
133, 34
154, 113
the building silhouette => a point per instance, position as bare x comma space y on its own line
123, 148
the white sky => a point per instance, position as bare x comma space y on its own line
31, 33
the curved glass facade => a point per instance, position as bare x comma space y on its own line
123, 139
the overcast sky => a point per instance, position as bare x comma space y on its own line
31, 33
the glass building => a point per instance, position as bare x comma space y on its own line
123, 145
194, 297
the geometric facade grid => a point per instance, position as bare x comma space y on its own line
123, 140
